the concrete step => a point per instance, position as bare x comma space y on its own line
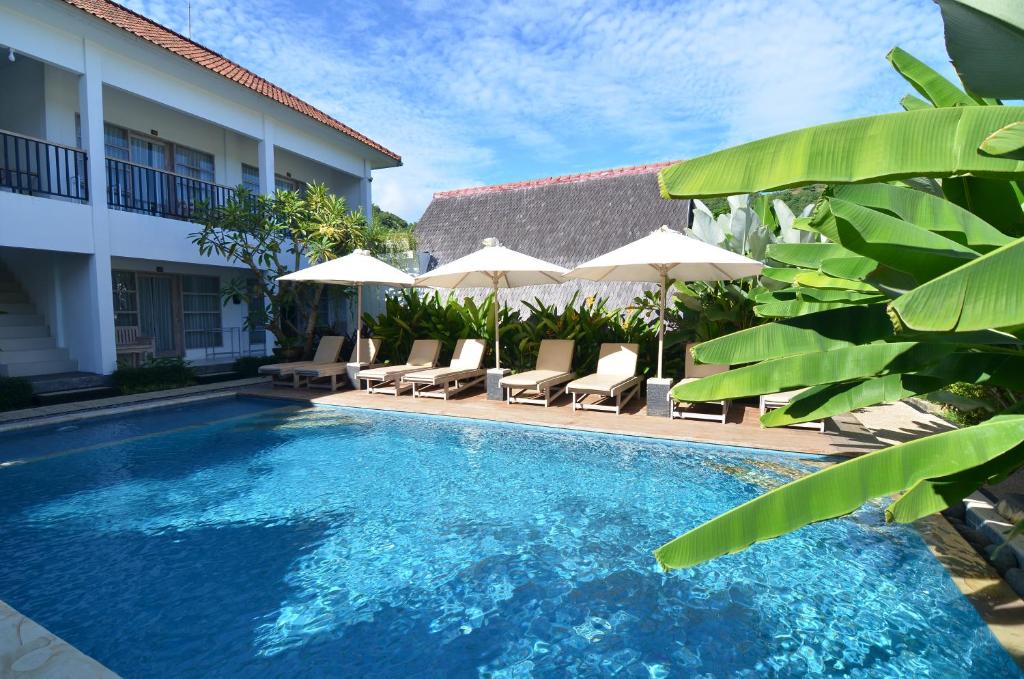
26, 343
22, 308
21, 319
13, 297
23, 331
38, 368
9, 285
32, 356
68, 382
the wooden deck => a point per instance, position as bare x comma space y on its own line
846, 436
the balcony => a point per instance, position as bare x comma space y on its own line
145, 190
35, 167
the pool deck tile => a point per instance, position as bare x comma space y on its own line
30, 651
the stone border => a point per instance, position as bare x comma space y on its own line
996, 602
29, 650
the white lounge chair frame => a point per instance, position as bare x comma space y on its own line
326, 376
695, 371
545, 383
783, 399
614, 384
463, 373
387, 379
286, 374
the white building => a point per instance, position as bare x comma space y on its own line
111, 126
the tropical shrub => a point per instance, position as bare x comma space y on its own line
917, 289
154, 375
15, 392
249, 366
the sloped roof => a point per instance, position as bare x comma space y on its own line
157, 34
565, 220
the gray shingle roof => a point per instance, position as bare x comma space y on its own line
565, 220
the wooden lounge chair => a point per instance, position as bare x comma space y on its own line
698, 411
463, 372
286, 375
614, 384
783, 399
546, 382
326, 376
386, 379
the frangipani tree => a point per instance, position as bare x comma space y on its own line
918, 286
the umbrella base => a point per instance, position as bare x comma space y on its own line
658, 404
495, 392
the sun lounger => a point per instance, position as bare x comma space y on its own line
463, 372
326, 376
547, 381
699, 411
614, 384
286, 375
783, 399
386, 379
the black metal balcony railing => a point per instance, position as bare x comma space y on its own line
36, 167
137, 188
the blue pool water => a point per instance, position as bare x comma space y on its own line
268, 541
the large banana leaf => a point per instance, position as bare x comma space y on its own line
933, 495
926, 211
985, 38
1006, 141
927, 81
924, 143
911, 103
889, 240
853, 268
842, 488
806, 370
805, 255
997, 202
984, 293
816, 279
793, 307
823, 331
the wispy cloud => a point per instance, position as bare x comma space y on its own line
479, 92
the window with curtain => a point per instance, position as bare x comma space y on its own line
192, 163
201, 309
126, 298
288, 184
251, 178
115, 140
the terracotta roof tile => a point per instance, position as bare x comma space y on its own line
159, 35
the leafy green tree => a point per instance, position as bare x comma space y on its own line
390, 221
272, 235
916, 289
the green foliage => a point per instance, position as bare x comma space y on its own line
916, 293
272, 235
15, 392
411, 314
249, 366
154, 375
390, 221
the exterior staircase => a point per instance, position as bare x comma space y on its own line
26, 346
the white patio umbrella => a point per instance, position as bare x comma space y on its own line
357, 268
666, 255
493, 266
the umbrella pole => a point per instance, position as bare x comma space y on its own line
359, 323
661, 324
497, 332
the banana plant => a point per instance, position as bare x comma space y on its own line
913, 292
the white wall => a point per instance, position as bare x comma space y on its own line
309, 171
61, 105
22, 113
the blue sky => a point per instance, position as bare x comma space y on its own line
473, 93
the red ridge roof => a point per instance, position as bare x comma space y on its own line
563, 179
160, 35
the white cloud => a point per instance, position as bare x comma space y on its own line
480, 92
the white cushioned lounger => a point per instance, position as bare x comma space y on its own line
286, 375
326, 376
615, 380
547, 381
386, 379
463, 372
698, 411
783, 399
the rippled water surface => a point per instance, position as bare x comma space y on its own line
329, 542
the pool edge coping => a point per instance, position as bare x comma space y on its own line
37, 651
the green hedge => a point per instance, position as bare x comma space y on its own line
15, 393
161, 373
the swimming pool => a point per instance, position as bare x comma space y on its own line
260, 540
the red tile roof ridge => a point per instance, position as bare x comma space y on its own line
561, 179
161, 36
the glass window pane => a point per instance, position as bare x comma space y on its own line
251, 178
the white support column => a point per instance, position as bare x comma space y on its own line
365, 193
265, 151
102, 356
